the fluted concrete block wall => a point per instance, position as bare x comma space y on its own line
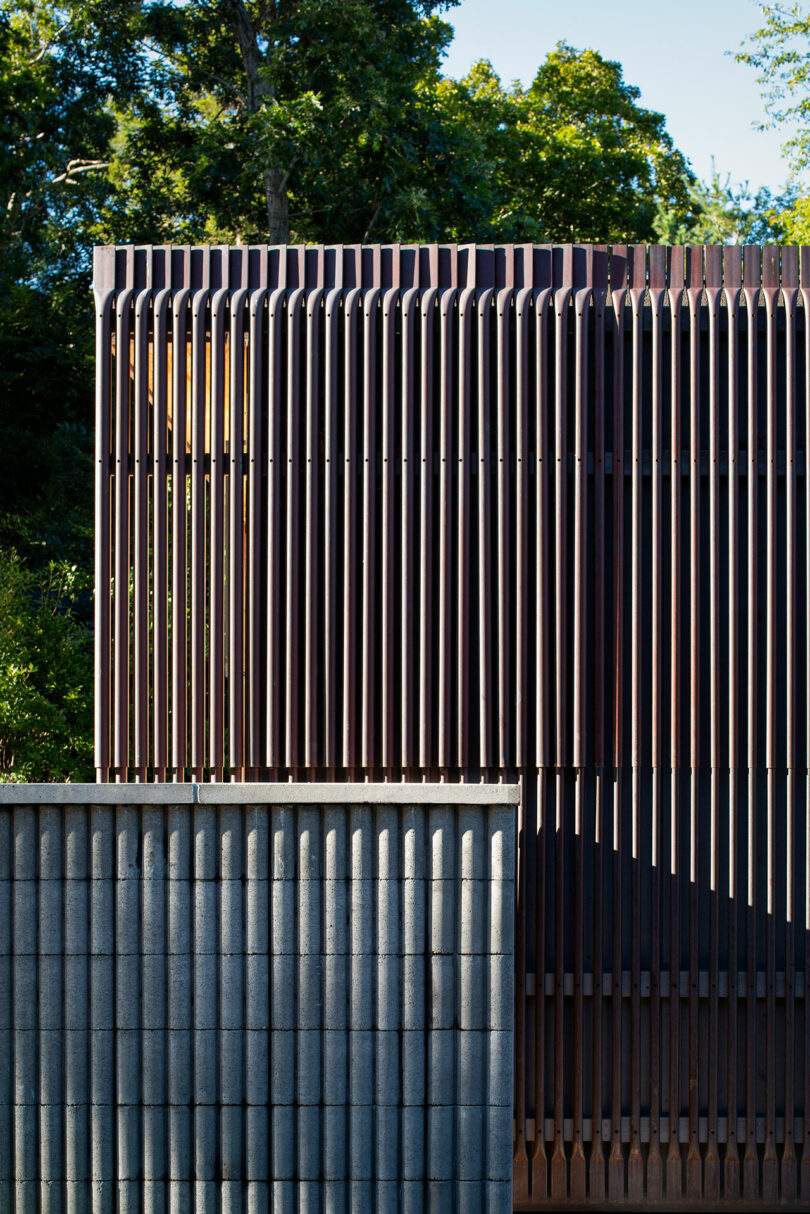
253, 997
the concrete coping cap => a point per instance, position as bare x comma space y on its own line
259, 794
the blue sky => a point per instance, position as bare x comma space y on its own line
673, 52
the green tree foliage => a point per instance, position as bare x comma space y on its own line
148, 121
780, 52
721, 213
46, 675
574, 157
262, 118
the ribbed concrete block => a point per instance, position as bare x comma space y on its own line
154, 1141
128, 916
386, 1142
388, 993
442, 894
470, 1142
386, 1068
257, 991
473, 843
205, 1045
362, 916
310, 845
257, 842
441, 1155
335, 1068
206, 844
335, 906
414, 1061
231, 916
127, 990
102, 1066
414, 837
256, 1143
501, 917
102, 1152
361, 1066
387, 917
77, 851
179, 1043
231, 1066
25, 916
77, 1138
51, 1142
257, 910
205, 990
283, 1149
414, 915
25, 843
388, 861
474, 905
308, 1044
232, 990
413, 1142
282, 1067
231, 1138
361, 995
180, 1144
361, 1154
128, 1066
102, 916
153, 990
179, 990
257, 1066
206, 1125
51, 918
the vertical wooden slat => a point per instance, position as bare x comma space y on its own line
484, 305
425, 713
140, 536
350, 476
390, 313
732, 280
790, 283
714, 280
160, 572
618, 286
331, 529
236, 536
275, 455
312, 625
635, 1163
770, 290
216, 535
657, 284
751, 286
562, 299
674, 1167
408, 643
694, 292
254, 742
368, 630
104, 298
197, 700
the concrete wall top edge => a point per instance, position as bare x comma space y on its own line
259, 793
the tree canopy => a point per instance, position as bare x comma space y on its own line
151, 121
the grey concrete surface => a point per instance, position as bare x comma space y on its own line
256, 997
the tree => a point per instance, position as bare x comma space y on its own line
264, 119
722, 213
780, 52
575, 156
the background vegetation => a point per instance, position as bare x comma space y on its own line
146, 121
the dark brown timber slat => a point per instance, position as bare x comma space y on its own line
504, 512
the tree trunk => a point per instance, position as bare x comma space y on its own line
278, 211
260, 92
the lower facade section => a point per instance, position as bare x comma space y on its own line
281, 997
